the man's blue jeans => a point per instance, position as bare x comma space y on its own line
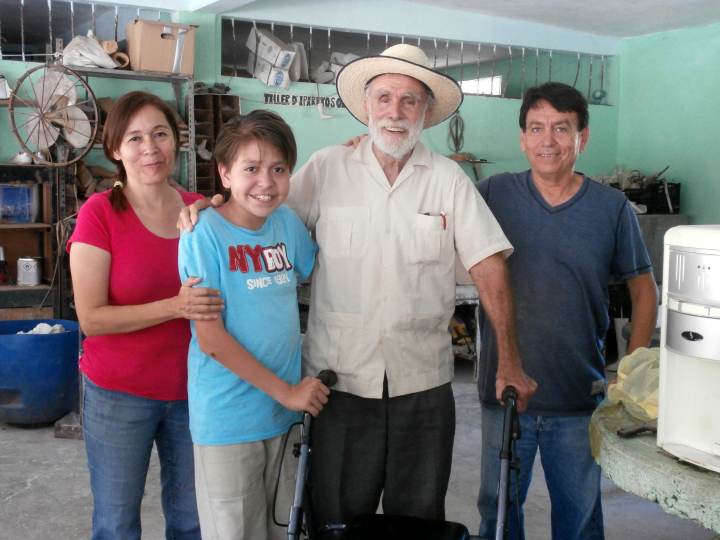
571, 474
119, 430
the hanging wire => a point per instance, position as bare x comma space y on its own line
602, 77
257, 47
492, 74
116, 23
577, 72
49, 2
507, 78
522, 77
537, 64
329, 49
22, 29
93, 20
478, 71
232, 23
550, 67
72, 20
462, 65
592, 56
447, 56
310, 48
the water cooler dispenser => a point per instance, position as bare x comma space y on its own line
689, 401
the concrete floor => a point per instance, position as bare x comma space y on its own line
44, 490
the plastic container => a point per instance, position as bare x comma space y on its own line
18, 203
38, 373
655, 197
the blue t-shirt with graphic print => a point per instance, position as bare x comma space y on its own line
255, 271
560, 270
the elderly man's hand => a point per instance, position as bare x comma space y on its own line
515, 376
189, 215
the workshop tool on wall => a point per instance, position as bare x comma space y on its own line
456, 140
456, 133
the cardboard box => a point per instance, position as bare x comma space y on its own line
270, 48
160, 46
267, 73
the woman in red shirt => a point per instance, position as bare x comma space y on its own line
134, 311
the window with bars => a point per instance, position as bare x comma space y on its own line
29, 28
508, 70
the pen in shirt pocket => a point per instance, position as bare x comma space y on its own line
442, 215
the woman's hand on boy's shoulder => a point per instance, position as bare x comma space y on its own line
189, 215
197, 303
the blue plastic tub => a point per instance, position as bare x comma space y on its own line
38, 373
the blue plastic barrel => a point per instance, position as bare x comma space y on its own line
38, 372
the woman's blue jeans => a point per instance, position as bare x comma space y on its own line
119, 430
571, 474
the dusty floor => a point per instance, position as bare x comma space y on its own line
44, 490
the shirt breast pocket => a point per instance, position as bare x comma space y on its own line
425, 240
344, 232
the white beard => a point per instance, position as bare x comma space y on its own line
396, 149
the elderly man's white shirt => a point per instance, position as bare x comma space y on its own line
383, 289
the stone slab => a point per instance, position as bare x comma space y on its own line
637, 465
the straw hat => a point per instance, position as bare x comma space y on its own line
400, 59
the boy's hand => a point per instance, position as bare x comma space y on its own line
189, 215
355, 141
197, 303
308, 395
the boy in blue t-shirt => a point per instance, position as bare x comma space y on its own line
244, 369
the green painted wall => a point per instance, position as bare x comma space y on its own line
669, 113
491, 129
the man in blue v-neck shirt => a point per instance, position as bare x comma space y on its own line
571, 235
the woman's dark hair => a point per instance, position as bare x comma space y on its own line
562, 97
259, 126
116, 125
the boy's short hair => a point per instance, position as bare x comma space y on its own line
259, 125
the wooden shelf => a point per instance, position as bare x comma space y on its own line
25, 226
16, 296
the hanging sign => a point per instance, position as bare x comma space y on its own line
295, 100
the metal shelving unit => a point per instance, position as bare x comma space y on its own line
185, 106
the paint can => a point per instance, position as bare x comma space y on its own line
28, 271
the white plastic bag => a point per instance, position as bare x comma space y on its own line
638, 383
86, 52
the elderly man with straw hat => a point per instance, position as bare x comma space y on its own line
389, 217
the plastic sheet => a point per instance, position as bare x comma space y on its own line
637, 386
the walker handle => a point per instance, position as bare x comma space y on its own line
328, 377
508, 393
